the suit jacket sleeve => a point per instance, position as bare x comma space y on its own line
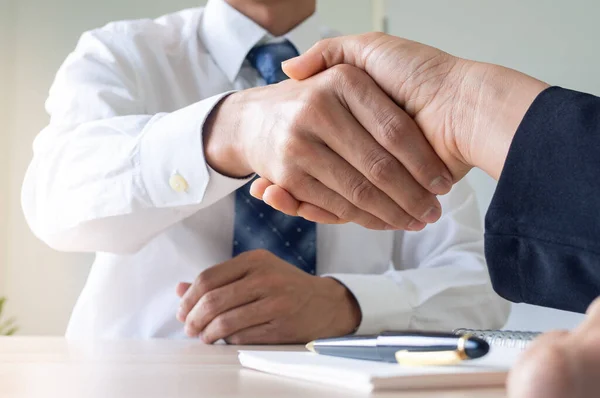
542, 239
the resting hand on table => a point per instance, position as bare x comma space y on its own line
468, 111
257, 298
332, 147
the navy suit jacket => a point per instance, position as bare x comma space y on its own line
543, 225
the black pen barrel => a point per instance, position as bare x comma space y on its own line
385, 346
391, 342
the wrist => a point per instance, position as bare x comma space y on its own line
492, 107
223, 150
349, 317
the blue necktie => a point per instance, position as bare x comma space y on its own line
257, 225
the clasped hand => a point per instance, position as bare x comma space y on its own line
257, 298
336, 142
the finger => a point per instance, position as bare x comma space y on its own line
368, 176
264, 334
330, 52
395, 132
591, 322
549, 338
276, 197
318, 194
391, 61
219, 301
210, 279
316, 214
593, 311
182, 287
237, 319
324, 55
544, 370
280, 199
375, 162
331, 170
258, 187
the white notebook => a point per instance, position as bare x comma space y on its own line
489, 371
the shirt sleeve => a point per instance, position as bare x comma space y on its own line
105, 175
438, 279
543, 224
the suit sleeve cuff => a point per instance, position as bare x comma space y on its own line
172, 147
382, 303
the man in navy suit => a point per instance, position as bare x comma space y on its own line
543, 145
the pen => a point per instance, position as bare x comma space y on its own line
405, 348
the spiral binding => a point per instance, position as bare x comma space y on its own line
502, 338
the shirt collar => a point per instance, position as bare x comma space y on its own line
229, 35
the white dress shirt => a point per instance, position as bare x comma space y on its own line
120, 171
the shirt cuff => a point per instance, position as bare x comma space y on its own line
382, 303
173, 168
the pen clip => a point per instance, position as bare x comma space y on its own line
433, 358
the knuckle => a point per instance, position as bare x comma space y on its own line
337, 75
209, 303
392, 129
316, 95
284, 177
381, 166
310, 105
187, 303
346, 77
223, 325
344, 71
202, 280
259, 254
295, 148
194, 325
362, 192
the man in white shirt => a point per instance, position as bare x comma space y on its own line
155, 133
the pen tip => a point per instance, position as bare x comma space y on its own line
311, 347
476, 347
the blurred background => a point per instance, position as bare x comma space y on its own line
553, 40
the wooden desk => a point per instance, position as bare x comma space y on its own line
56, 368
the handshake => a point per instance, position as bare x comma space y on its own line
369, 130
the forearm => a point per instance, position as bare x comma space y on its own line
113, 184
543, 223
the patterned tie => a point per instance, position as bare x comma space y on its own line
257, 225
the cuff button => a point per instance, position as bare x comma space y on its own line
178, 183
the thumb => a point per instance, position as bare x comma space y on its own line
328, 53
400, 67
